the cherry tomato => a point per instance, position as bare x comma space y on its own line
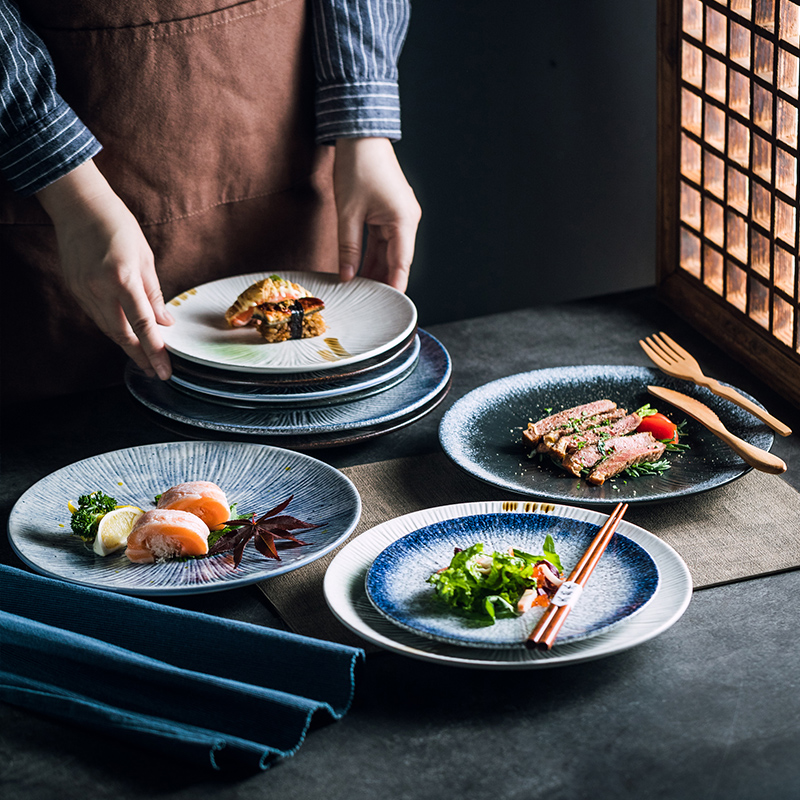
660, 426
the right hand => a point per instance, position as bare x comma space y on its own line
108, 265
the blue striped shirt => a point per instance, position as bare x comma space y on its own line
356, 45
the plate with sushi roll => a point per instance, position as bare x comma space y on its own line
183, 517
287, 322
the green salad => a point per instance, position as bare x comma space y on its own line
488, 586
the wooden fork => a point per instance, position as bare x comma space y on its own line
671, 358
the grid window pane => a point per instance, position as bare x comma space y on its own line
740, 156
759, 302
713, 270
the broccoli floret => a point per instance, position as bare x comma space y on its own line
92, 508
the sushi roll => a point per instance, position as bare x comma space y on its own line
166, 533
201, 498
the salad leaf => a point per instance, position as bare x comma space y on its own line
488, 585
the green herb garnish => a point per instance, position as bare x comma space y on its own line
91, 509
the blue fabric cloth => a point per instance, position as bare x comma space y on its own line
218, 692
356, 45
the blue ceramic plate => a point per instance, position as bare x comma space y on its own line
430, 379
624, 581
482, 434
345, 593
255, 477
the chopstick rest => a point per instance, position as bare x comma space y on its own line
544, 634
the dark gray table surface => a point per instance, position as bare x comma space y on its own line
709, 709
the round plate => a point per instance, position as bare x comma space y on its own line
364, 318
346, 596
427, 382
351, 388
482, 434
621, 585
255, 477
290, 381
313, 441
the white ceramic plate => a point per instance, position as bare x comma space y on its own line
622, 584
364, 318
346, 595
256, 477
326, 394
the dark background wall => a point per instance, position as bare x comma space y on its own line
529, 136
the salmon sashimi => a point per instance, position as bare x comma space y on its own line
166, 533
201, 498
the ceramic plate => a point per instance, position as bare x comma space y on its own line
311, 441
427, 382
363, 318
334, 392
621, 585
288, 381
345, 593
482, 434
255, 477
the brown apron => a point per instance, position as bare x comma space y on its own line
205, 112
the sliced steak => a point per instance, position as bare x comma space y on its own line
536, 430
582, 459
588, 449
559, 444
623, 452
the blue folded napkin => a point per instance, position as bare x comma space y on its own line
224, 693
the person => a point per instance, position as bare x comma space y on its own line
186, 140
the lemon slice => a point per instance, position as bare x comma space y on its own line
72, 507
114, 528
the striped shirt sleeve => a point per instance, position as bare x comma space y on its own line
357, 44
41, 138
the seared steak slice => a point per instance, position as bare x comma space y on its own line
560, 442
567, 445
536, 430
580, 456
624, 451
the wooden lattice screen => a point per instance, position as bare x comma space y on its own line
729, 79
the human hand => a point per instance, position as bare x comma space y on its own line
371, 190
108, 265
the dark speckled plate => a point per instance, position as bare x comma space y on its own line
482, 434
621, 585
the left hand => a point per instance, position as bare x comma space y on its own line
371, 190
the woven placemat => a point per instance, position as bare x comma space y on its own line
747, 528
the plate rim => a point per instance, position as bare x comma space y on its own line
463, 642
296, 276
174, 591
672, 596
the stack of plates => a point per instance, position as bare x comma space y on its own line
371, 372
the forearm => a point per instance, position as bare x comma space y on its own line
41, 138
74, 195
356, 49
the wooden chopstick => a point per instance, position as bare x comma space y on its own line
546, 630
